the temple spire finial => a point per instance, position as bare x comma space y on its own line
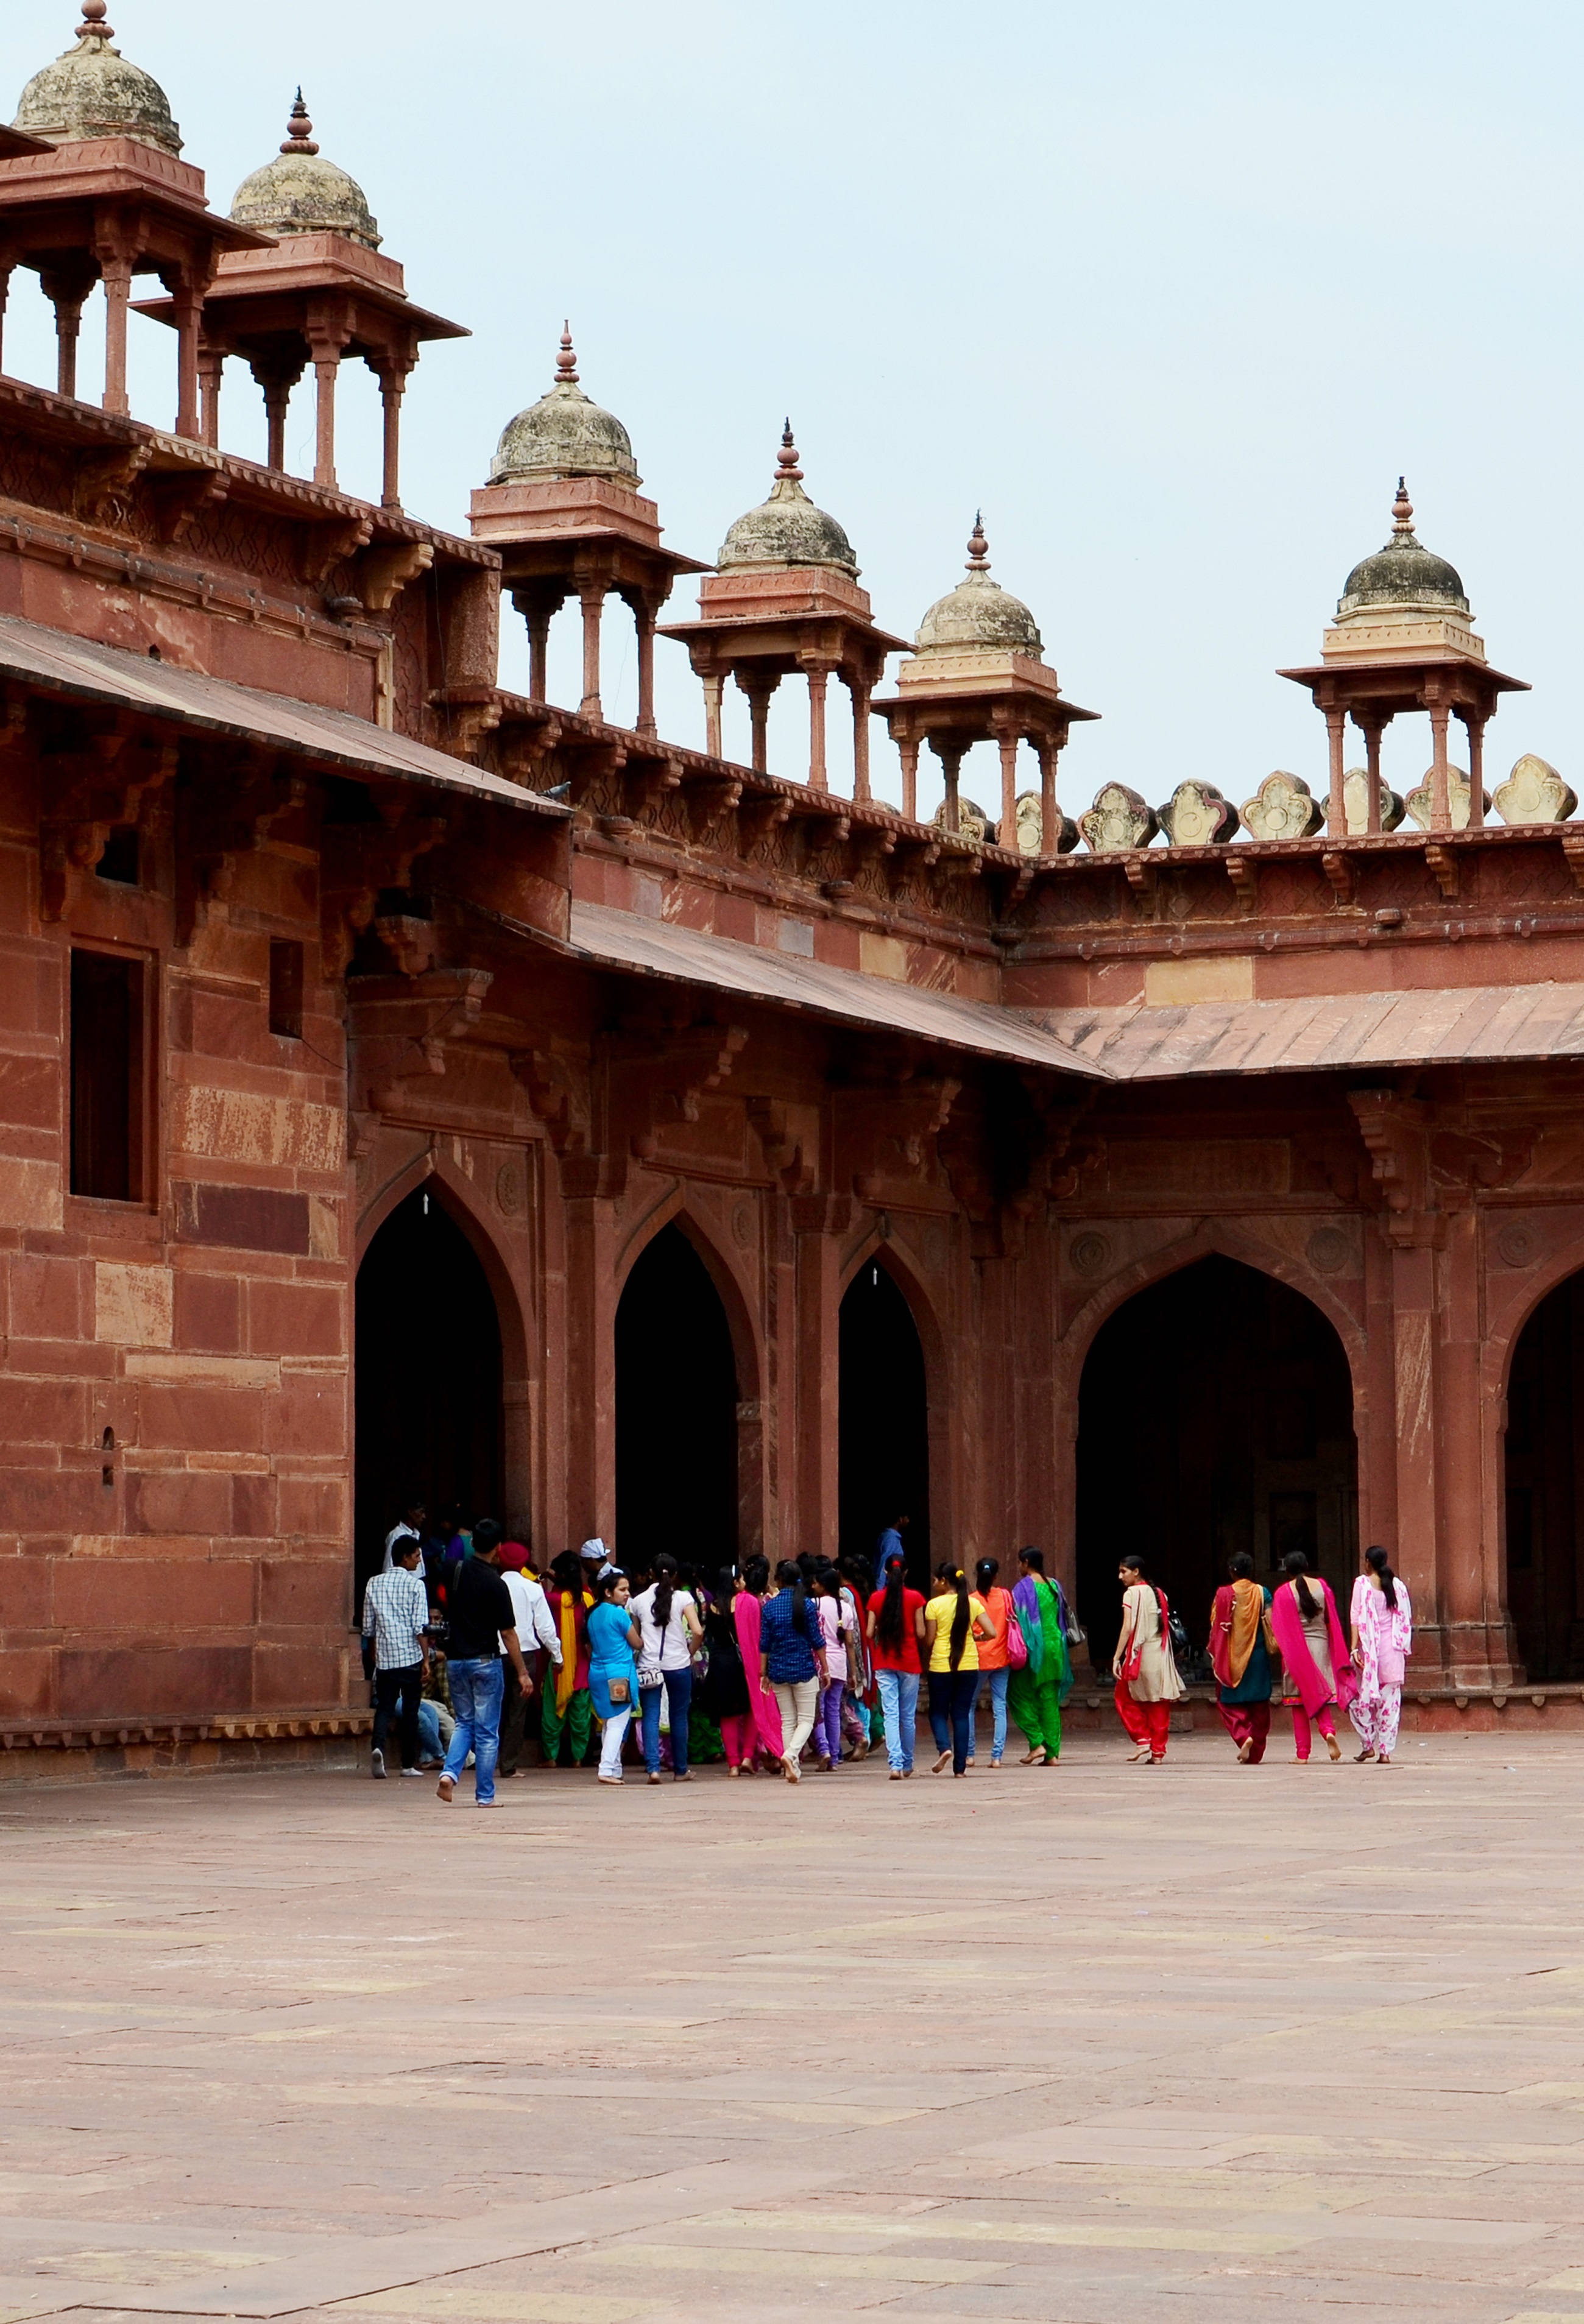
299, 129
1402, 514
786, 468
566, 361
978, 547
93, 26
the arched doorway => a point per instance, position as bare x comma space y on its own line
1544, 1466
429, 1376
1215, 1413
676, 1412
882, 1448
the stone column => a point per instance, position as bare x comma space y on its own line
1440, 806
1470, 1564
1048, 750
816, 1218
908, 751
817, 779
950, 756
591, 1366
713, 680
593, 596
644, 620
538, 608
277, 381
759, 686
66, 292
1474, 724
1336, 813
188, 300
211, 371
1006, 829
1419, 1496
117, 275
391, 372
861, 691
1372, 733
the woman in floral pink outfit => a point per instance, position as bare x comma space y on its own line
1382, 1622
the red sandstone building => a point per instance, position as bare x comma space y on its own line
407, 1086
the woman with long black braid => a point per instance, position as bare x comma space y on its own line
953, 1628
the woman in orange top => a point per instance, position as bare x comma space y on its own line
994, 1604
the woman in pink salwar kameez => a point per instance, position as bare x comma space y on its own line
1319, 1678
1383, 1636
745, 1608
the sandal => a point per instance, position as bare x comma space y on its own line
943, 1762
1032, 1758
1361, 1757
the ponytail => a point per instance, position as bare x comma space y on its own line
789, 1574
1377, 1558
984, 1574
963, 1616
665, 1583
889, 1626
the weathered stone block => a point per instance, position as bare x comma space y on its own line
295, 1319
173, 1681
242, 1126
133, 1304
305, 1594
1534, 793
178, 1500
45, 1297
1120, 818
242, 1218
1283, 807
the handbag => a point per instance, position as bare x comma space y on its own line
1016, 1644
620, 1692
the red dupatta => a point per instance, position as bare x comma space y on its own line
766, 1718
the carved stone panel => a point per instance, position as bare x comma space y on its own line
1197, 816
1284, 807
1534, 793
1418, 801
1355, 802
1120, 818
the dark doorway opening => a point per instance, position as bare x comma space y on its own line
1215, 1413
676, 1413
882, 1446
429, 1376
1544, 1462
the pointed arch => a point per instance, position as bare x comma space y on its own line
895, 1406
737, 1296
1532, 1374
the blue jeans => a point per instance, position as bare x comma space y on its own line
477, 1691
678, 1688
996, 1681
952, 1696
899, 1694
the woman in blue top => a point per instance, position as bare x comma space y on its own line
612, 1673
792, 1660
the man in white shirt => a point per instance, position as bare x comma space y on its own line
411, 1528
536, 1626
395, 1617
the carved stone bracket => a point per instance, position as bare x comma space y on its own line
659, 1078
887, 1130
102, 484
788, 1140
328, 541
455, 998
1443, 863
710, 799
1396, 1130
1243, 875
105, 795
384, 572
360, 860
1338, 871
179, 499
557, 1089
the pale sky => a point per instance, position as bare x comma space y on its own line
1172, 292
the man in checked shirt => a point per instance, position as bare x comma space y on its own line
395, 1610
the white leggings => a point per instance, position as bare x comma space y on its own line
611, 1740
1377, 1717
796, 1705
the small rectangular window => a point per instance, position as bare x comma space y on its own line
107, 1071
119, 861
286, 987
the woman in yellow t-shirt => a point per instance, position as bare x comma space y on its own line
953, 1627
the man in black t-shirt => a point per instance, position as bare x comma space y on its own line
481, 1626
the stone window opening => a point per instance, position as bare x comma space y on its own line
109, 1063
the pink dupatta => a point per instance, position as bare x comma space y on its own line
1300, 1663
766, 1718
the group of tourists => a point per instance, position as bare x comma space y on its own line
803, 1669
822, 1660
1292, 1636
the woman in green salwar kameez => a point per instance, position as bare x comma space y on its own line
1035, 1693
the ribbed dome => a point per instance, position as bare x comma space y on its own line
979, 615
92, 91
299, 192
1403, 573
564, 435
787, 529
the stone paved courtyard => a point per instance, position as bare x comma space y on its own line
1102, 2043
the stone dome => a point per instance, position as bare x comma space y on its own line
1403, 573
92, 91
564, 435
979, 616
299, 192
787, 529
